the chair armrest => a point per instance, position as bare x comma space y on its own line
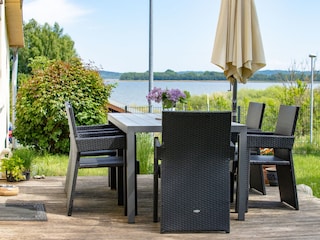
101, 143
99, 133
270, 141
96, 127
255, 131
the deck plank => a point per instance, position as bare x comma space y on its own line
96, 214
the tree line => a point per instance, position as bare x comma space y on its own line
211, 75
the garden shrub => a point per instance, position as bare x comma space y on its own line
41, 119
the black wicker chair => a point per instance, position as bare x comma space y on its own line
84, 149
101, 128
194, 172
281, 140
253, 122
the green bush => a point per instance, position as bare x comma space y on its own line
41, 120
291, 93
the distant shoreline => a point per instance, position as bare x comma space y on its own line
253, 81
169, 75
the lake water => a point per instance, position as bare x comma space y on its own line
133, 93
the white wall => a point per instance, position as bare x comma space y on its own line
4, 80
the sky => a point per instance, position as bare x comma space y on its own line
114, 34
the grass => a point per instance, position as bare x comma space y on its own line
57, 165
307, 166
307, 170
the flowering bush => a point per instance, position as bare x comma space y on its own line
168, 97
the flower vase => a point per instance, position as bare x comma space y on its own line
169, 109
168, 106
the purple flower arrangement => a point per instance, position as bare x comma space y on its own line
168, 97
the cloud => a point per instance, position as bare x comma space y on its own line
48, 11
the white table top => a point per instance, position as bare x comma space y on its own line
137, 122
148, 122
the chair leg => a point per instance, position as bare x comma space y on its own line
155, 192
71, 154
232, 179
156, 176
137, 167
72, 188
287, 186
257, 179
137, 171
113, 178
109, 177
120, 186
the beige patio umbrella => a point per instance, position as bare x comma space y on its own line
238, 48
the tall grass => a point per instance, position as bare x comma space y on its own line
145, 152
50, 165
302, 145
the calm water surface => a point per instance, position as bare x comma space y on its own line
133, 93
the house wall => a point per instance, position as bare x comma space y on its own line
4, 80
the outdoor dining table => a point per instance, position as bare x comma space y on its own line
132, 123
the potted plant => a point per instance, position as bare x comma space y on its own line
27, 155
13, 167
5, 154
169, 98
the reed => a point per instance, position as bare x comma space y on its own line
145, 152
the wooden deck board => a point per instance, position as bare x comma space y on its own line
96, 214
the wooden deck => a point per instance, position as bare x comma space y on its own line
97, 216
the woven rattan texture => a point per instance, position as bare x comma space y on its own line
195, 172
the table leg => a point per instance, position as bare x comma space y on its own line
243, 176
131, 182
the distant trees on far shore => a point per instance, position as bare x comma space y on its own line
267, 75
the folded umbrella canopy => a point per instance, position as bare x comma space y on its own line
238, 48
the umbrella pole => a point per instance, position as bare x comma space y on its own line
234, 101
150, 53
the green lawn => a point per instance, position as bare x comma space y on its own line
307, 169
56, 165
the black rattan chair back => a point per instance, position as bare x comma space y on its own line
195, 171
255, 115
